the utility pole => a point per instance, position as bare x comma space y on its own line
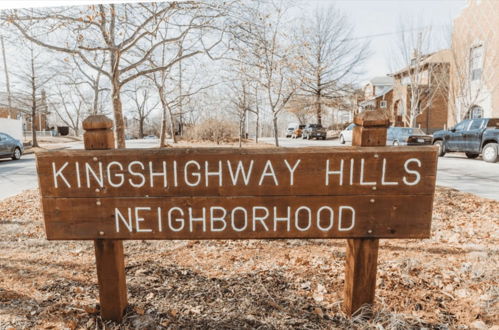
7, 84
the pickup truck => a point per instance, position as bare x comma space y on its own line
314, 131
471, 136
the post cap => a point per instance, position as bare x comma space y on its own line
97, 122
372, 118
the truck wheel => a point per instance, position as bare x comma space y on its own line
471, 155
342, 139
441, 149
489, 153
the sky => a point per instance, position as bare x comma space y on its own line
376, 21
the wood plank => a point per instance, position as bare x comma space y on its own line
139, 218
139, 173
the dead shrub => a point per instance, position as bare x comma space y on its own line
215, 130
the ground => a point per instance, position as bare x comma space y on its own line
447, 281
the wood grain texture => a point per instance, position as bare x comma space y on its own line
110, 262
362, 254
360, 273
308, 178
109, 255
382, 216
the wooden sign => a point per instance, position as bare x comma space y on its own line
358, 193
342, 192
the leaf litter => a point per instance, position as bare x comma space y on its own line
447, 281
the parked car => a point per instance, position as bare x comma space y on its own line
291, 128
346, 134
10, 147
407, 136
471, 136
298, 132
314, 131
150, 137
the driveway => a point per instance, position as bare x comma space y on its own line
454, 170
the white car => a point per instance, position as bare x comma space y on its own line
346, 134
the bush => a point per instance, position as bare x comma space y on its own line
215, 130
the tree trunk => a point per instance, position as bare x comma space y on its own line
95, 105
319, 108
276, 137
172, 125
118, 114
141, 127
257, 129
34, 142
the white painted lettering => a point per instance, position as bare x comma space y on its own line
292, 170
233, 218
121, 176
194, 174
98, 178
287, 219
260, 218
340, 218
413, 172
178, 220
152, 174
268, 170
136, 174
214, 218
362, 182
383, 174
297, 218
218, 173
139, 219
58, 173
329, 172
331, 218
240, 169
192, 219
127, 222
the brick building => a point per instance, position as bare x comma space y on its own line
474, 79
378, 94
430, 80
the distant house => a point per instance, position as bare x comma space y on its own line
474, 78
377, 94
420, 92
20, 109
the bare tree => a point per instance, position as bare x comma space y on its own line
142, 105
7, 82
70, 107
262, 44
120, 32
33, 80
331, 57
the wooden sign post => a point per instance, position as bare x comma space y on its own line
362, 254
358, 193
109, 255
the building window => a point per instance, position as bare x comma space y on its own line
475, 112
382, 104
476, 62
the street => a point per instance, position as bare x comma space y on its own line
454, 170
